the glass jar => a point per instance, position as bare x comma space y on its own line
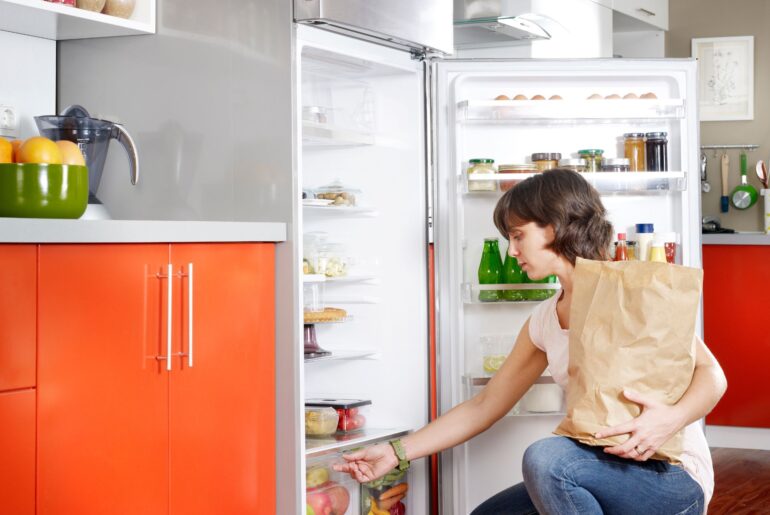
331, 260
616, 164
525, 168
576, 165
630, 249
481, 166
657, 151
593, 158
312, 297
633, 144
546, 160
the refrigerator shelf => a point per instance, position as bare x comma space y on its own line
474, 380
346, 355
340, 211
551, 111
343, 279
607, 183
323, 135
340, 442
470, 292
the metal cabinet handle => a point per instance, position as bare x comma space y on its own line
190, 314
645, 11
170, 314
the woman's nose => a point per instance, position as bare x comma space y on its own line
512, 250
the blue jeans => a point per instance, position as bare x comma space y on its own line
563, 476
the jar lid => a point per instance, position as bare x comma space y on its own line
494, 238
644, 228
573, 162
617, 161
656, 134
517, 168
633, 135
591, 152
337, 403
546, 156
481, 160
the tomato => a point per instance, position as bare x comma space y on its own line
352, 411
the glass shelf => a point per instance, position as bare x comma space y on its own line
474, 380
568, 111
533, 398
339, 211
344, 279
606, 183
335, 443
324, 135
470, 292
346, 355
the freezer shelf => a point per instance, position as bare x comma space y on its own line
470, 292
554, 111
341, 442
606, 183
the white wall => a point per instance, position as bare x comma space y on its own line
28, 81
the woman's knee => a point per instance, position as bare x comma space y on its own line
546, 458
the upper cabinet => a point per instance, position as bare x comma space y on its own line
636, 15
58, 22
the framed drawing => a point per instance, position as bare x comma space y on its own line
725, 77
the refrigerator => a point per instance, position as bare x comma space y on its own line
397, 133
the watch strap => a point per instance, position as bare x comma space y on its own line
398, 448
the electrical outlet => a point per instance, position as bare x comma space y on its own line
9, 122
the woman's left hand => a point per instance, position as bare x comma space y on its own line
648, 432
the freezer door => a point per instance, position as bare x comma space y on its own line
401, 23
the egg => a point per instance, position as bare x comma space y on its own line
649, 95
520, 97
554, 97
614, 96
538, 97
502, 97
595, 96
630, 96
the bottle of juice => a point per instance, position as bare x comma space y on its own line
512, 274
621, 251
490, 270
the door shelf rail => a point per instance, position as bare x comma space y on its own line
554, 111
475, 380
529, 293
606, 183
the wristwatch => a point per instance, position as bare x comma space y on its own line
398, 448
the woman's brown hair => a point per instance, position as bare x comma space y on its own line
564, 200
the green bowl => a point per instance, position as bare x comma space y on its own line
30, 190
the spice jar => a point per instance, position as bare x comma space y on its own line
525, 168
481, 166
546, 160
657, 151
593, 158
576, 165
633, 144
616, 164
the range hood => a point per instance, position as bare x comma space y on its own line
497, 21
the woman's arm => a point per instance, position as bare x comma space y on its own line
658, 422
519, 371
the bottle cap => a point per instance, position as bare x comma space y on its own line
644, 228
633, 135
546, 156
656, 135
621, 236
480, 160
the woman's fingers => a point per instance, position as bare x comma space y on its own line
620, 429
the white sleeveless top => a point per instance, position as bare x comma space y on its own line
547, 335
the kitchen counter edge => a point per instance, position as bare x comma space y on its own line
738, 238
35, 230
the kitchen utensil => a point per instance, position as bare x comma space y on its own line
762, 173
744, 195
32, 190
93, 137
724, 200
704, 185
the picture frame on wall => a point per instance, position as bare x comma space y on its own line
725, 77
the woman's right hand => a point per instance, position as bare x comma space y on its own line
370, 463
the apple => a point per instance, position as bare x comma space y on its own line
398, 509
319, 502
340, 498
309, 510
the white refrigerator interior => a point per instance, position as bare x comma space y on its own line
472, 124
360, 124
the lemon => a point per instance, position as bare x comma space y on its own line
493, 363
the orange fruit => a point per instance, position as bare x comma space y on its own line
6, 151
16, 144
39, 150
70, 153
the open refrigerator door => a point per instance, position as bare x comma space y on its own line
504, 112
364, 279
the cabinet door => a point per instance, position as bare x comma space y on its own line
222, 436
651, 12
18, 293
17, 452
102, 392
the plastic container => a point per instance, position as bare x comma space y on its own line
339, 193
633, 145
644, 234
593, 158
543, 398
481, 166
524, 168
331, 260
546, 160
616, 164
576, 165
320, 421
312, 295
656, 148
352, 413
329, 491
386, 492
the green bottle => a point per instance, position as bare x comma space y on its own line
490, 270
539, 294
512, 274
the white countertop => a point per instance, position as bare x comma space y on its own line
37, 230
738, 238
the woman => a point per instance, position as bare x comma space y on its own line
550, 220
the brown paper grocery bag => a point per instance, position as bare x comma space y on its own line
632, 324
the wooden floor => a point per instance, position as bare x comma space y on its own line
742, 482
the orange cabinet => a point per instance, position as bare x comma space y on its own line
18, 283
118, 431
17, 452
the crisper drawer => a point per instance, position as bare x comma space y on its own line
387, 495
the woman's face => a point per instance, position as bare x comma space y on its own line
527, 243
